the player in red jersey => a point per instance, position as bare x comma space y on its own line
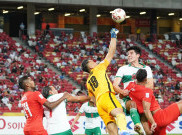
149, 108
32, 102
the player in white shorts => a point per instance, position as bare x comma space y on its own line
57, 121
126, 74
92, 120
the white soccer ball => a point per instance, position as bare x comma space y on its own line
118, 15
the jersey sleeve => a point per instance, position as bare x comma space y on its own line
103, 64
149, 72
147, 97
120, 73
40, 98
82, 109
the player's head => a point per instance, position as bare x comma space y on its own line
87, 65
49, 90
26, 82
141, 75
134, 53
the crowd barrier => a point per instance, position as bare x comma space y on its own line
14, 125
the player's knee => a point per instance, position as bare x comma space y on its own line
133, 105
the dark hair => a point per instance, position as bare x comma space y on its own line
84, 66
21, 82
45, 91
136, 49
141, 75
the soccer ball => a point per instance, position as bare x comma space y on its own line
118, 15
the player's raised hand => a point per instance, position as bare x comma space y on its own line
153, 126
114, 32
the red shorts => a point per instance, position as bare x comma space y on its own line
165, 117
42, 132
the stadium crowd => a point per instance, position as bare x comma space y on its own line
66, 52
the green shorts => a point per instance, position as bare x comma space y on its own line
94, 131
125, 99
68, 132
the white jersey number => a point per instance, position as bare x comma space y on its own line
26, 110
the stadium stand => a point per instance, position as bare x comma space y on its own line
66, 52
15, 61
168, 50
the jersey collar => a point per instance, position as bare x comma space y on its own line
89, 105
137, 67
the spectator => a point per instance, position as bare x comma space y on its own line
177, 87
61, 76
47, 28
75, 60
138, 33
5, 100
113, 61
63, 63
169, 79
14, 69
22, 26
78, 69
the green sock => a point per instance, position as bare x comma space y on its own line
134, 116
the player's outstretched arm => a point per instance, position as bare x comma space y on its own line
116, 87
148, 114
112, 46
77, 98
52, 105
76, 119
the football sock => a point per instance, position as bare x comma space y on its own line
134, 116
121, 121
